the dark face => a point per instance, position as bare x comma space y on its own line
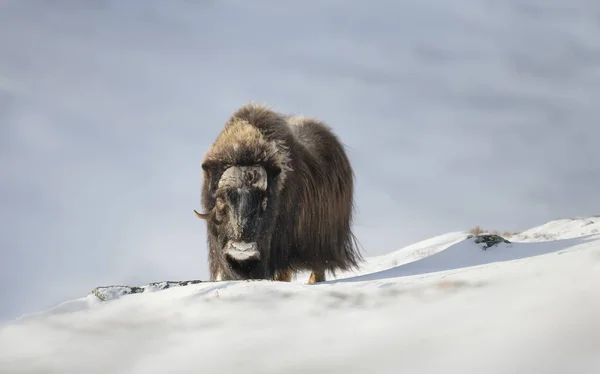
239, 213
238, 216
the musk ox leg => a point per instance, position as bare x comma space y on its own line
284, 276
316, 276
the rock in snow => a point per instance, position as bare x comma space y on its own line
107, 293
489, 240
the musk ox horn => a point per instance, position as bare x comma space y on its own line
201, 215
239, 176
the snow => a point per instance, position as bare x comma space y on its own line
443, 305
562, 229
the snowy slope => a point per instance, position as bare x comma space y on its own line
561, 229
407, 254
442, 305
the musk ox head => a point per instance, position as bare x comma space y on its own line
239, 215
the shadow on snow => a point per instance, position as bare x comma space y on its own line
467, 254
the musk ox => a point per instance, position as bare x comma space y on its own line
278, 198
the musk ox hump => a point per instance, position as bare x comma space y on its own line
240, 176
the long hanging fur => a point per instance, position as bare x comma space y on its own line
311, 194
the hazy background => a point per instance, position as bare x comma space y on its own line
454, 113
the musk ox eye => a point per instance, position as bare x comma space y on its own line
264, 204
220, 204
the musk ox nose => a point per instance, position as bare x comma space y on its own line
242, 251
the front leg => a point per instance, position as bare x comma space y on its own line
284, 275
316, 276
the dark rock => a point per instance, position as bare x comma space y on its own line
489, 240
106, 293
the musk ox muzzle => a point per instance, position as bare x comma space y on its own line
242, 251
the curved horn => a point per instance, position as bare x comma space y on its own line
232, 177
256, 176
201, 215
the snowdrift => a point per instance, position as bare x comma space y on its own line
444, 304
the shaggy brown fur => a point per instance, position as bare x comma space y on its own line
284, 276
307, 221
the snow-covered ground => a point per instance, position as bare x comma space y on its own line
443, 305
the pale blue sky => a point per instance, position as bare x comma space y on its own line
454, 113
